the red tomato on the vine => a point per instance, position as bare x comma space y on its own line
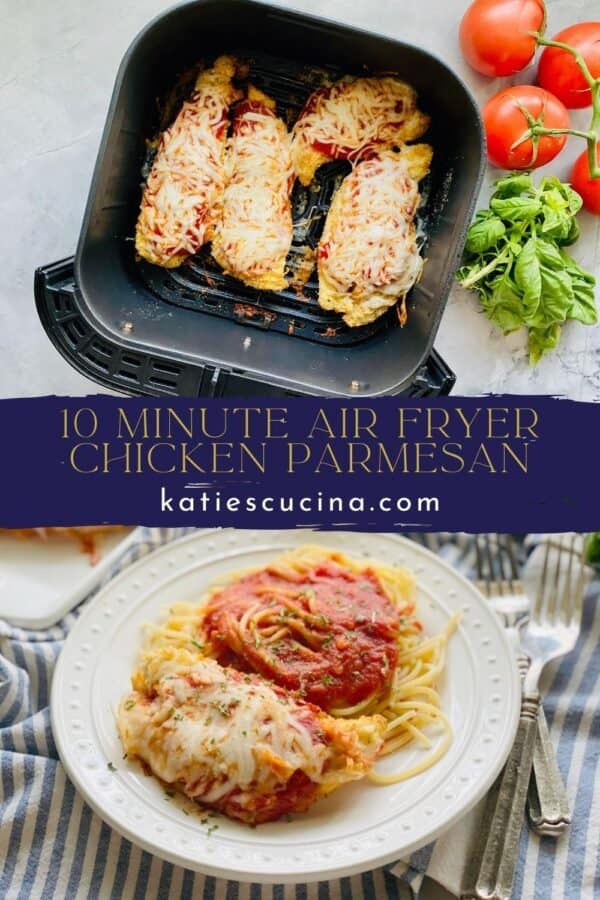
558, 71
505, 123
495, 35
586, 186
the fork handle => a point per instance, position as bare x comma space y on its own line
498, 848
548, 808
547, 803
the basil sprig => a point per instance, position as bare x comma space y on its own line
514, 259
592, 549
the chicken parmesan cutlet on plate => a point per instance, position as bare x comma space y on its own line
236, 743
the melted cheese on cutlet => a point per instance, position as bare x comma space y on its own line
254, 235
352, 115
368, 256
215, 731
184, 191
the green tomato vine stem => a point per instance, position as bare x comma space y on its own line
536, 128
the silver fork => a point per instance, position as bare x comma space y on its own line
547, 802
550, 632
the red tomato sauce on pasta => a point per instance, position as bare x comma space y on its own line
329, 634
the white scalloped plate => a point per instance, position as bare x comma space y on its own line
359, 827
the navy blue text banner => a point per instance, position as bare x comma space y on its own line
473, 464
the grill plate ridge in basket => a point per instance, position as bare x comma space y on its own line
196, 318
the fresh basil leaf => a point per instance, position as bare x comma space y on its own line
528, 278
549, 254
584, 295
485, 232
554, 199
541, 340
513, 186
556, 224
584, 304
573, 199
592, 548
504, 306
551, 185
572, 236
557, 297
573, 266
516, 209
515, 247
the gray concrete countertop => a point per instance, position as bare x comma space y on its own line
57, 66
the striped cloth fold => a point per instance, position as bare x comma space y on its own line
53, 846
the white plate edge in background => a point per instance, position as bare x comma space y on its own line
85, 585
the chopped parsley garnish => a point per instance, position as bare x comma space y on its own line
177, 716
196, 644
327, 679
169, 795
211, 828
129, 704
111, 767
225, 707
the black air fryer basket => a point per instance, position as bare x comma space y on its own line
194, 331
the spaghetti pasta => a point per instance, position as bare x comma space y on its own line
338, 632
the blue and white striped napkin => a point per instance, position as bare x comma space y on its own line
53, 846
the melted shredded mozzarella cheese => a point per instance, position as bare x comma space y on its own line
230, 739
352, 116
368, 256
254, 235
184, 191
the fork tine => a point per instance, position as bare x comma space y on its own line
483, 580
537, 607
572, 603
500, 557
478, 558
512, 558
489, 555
577, 608
553, 607
567, 599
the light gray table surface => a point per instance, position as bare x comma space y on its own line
57, 66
